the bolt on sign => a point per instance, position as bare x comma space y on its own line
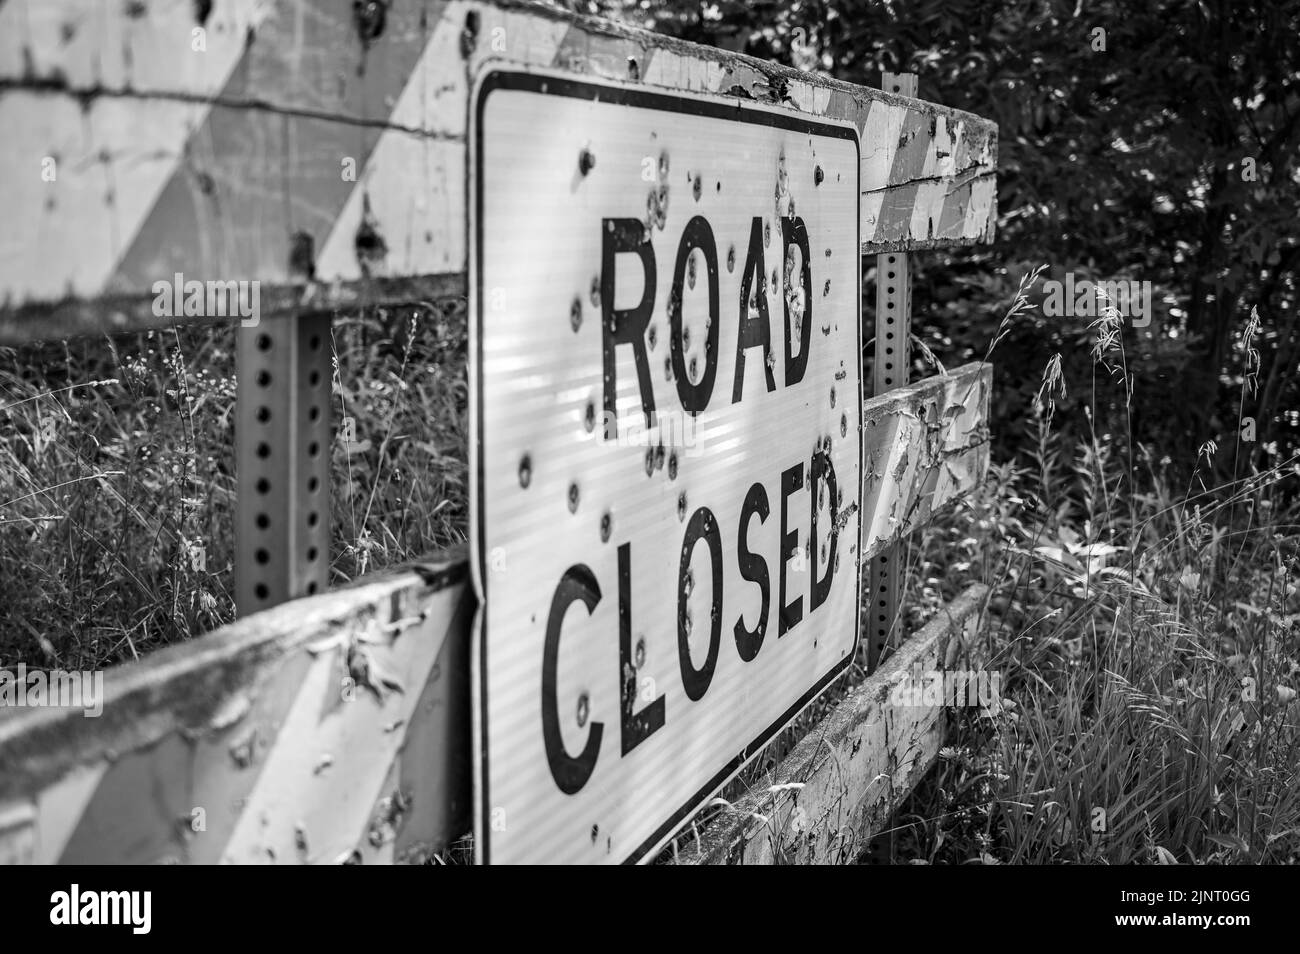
666, 404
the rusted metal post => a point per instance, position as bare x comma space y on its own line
282, 442
893, 329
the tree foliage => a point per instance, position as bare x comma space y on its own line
1148, 140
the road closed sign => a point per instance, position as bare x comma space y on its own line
665, 403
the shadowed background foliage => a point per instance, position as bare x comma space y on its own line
1169, 156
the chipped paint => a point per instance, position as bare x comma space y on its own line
137, 123
841, 782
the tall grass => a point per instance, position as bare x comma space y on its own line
1148, 638
117, 466
1146, 629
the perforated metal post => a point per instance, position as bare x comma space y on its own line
893, 329
282, 444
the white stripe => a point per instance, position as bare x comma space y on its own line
112, 159
93, 43
416, 187
810, 98
690, 73
59, 810
980, 208
927, 207
333, 805
879, 144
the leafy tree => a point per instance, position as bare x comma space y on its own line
1151, 140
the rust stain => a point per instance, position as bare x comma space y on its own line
388, 817
469, 35
302, 256
244, 750
369, 16
369, 243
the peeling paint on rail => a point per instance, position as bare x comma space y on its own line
840, 784
128, 158
254, 726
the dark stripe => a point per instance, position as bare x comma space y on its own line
953, 218
913, 143
141, 811
435, 762
895, 219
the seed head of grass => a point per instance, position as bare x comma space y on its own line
1019, 305
1252, 353
1053, 383
1107, 325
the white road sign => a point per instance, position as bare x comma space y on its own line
665, 402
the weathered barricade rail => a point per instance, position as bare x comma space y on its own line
322, 151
